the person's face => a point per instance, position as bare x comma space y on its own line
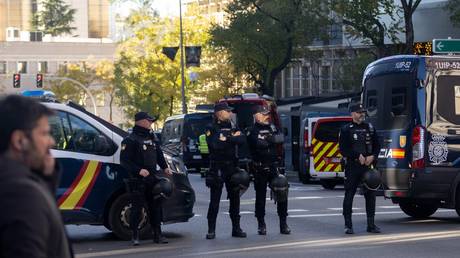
36, 146
358, 117
145, 123
262, 118
224, 115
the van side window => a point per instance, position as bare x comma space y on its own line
398, 101
372, 102
60, 130
166, 132
85, 137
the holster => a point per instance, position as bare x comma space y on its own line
134, 185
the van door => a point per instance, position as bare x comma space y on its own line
443, 133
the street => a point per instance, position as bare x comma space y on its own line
317, 231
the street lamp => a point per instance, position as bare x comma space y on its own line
184, 105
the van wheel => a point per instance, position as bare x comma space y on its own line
305, 179
119, 219
418, 210
328, 184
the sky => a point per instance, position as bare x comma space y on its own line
164, 7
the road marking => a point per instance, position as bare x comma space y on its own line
352, 240
297, 210
388, 207
241, 212
355, 213
340, 209
131, 250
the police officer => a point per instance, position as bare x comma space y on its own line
140, 155
223, 137
359, 146
263, 139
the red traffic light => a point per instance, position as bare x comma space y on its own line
39, 80
16, 80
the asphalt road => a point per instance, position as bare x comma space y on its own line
317, 231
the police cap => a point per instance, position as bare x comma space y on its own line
222, 106
144, 115
356, 107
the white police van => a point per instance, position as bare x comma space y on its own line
91, 188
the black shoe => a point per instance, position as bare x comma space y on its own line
374, 229
238, 233
158, 237
371, 227
262, 228
211, 235
284, 228
135, 238
349, 231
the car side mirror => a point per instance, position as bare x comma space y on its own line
102, 146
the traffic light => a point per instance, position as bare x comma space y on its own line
39, 80
16, 80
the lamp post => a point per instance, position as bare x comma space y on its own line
181, 45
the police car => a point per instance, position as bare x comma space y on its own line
414, 104
91, 188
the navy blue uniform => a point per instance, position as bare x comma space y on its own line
355, 140
223, 164
140, 150
263, 141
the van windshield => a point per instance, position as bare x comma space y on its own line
245, 113
387, 99
194, 126
448, 98
329, 131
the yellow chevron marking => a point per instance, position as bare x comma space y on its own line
326, 148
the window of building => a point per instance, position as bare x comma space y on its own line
287, 82
63, 67
325, 78
21, 67
42, 67
296, 80
100, 100
2, 67
306, 81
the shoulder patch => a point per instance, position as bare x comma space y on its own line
123, 146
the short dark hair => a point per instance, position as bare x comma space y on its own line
19, 113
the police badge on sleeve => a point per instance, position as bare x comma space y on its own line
437, 150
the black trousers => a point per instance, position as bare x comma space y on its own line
141, 198
221, 173
353, 179
263, 175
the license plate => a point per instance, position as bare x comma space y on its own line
196, 156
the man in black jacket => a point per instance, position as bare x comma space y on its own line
263, 140
30, 222
223, 138
140, 154
360, 147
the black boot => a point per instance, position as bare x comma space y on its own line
236, 229
211, 229
135, 237
284, 228
262, 229
348, 225
371, 227
158, 236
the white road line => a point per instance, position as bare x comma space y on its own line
241, 212
388, 207
355, 213
340, 209
297, 210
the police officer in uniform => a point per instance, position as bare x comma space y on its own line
222, 138
140, 155
263, 139
359, 146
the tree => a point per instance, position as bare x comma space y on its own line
409, 8
453, 7
262, 36
55, 19
364, 21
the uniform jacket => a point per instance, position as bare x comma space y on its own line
141, 150
263, 141
223, 150
356, 139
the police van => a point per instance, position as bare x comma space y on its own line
91, 188
324, 157
414, 104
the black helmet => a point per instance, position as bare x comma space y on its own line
241, 180
280, 188
372, 179
162, 188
